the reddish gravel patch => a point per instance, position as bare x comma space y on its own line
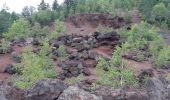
93, 75
57, 68
104, 51
85, 29
5, 77
4, 61
137, 67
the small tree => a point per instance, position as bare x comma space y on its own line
44, 17
62, 51
19, 29
55, 6
28, 11
43, 5
160, 13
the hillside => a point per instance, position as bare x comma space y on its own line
86, 50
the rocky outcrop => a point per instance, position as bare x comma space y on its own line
120, 94
11, 93
157, 89
80, 52
46, 89
75, 93
50, 89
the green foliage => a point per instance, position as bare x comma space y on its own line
143, 38
163, 57
59, 29
156, 46
5, 46
141, 31
19, 29
104, 29
145, 7
44, 17
117, 74
116, 60
61, 51
101, 6
6, 19
43, 5
160, 16
75, 80
35, 66
28, 11
159, 11
37, 31
55, 6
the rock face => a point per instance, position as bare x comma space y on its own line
50, 89
10, 93
74, 93
80, 52
46, 89
157, 89
119, 94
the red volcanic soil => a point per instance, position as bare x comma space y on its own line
6, 60
86, 24
83, 30
104, 51
137, 67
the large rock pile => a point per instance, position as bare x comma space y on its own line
80, 54
49, 89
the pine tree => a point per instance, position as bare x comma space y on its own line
55, 5
43, 5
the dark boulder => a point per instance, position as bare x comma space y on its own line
145, 73
157, 89
10, 69
120, 94
75, 93
46, 89
86, 72
111, 36
11, 93
16, 57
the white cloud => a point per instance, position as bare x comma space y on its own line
17, 5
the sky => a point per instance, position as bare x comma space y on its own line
18, 5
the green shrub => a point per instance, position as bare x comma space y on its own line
5, 46
19, 29
6, 20
62, 51
159, 11
140, 57
160, 15
104, 29
34, 67
59, 29
117, 74
38, 31
156, 46
163, 57
44, 17
116, 60
75, 80
139, 32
